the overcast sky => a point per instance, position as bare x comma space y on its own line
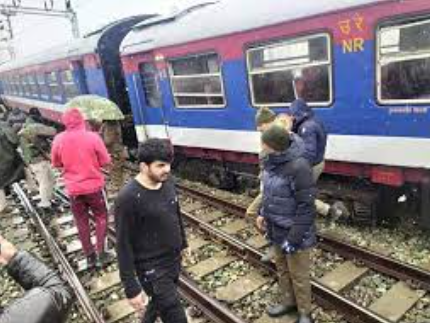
33, 34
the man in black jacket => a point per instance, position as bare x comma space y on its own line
11, 163
150, 236
288, 214
48, 298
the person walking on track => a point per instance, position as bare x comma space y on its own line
81, 156
11, 163
288, 216
150, 236
35, 151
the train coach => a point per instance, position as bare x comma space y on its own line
90, 65
198, 76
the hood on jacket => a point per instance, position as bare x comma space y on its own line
300, 111
294, 151
73, 119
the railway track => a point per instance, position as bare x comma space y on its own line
224, 242
225, 221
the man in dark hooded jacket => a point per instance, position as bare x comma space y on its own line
288, 214
11, 163
48, 298
314, 135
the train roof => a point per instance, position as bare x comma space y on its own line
74, 48
215, 18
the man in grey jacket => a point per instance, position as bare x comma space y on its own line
48, 298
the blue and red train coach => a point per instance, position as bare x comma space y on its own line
198, 77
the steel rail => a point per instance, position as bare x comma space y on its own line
323, 295
86, 303
211, 308
371, 259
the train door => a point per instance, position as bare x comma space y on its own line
80, 76
152, 112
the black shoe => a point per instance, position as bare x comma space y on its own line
103, 259
304, 319
91, 261
280, 309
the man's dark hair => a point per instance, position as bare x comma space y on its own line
155, 149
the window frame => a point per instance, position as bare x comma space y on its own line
44, 91
59, 97
220, 76
32, 84
393, 24
65, 84
157, 84
291, 40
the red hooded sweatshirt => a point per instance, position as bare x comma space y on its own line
80, 154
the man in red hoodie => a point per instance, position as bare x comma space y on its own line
81, 155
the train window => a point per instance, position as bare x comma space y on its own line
21, 85
70, 88
54, 86
403, 71
6, 85
32, 85
196, 81
15, 83
43, 88
148, 75
272, 67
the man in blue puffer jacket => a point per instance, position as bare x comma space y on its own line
314, 135
288, 214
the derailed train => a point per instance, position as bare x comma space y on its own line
197, 77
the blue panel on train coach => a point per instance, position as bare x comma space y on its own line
96, 82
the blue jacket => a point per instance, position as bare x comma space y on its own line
311, 130
289, 197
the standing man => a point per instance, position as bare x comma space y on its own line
263, 119
150, 236
314, 135
81, 155
112, 136
35, 151
288, 215
11, 164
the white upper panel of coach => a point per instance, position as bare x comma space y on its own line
215, 18
73, 48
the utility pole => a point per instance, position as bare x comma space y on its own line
15, 8
47, 11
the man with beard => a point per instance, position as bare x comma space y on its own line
150, 236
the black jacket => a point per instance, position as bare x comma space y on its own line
311, 130
47, 299
289, 197
11, 163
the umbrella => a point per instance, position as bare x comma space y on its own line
95, 108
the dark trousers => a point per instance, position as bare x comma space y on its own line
161, 286
81, 206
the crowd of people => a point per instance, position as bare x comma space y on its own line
150, 234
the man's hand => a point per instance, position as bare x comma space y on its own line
7, 251
261, 224
139, 302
